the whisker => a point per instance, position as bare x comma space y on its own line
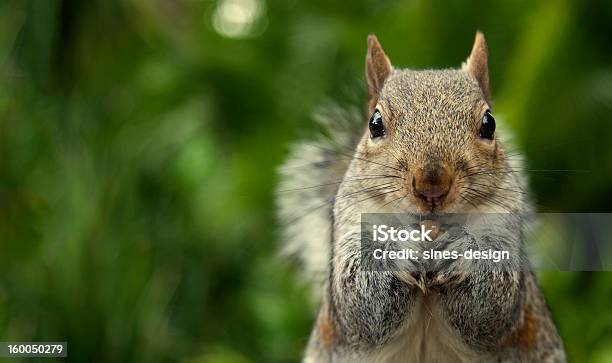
488, 198
369, 189
338, 182
370, 197
336, 198
386, 204
401, 163
356, 157
481, 200
500, 188
468, 200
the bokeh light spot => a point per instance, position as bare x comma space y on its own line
236, 18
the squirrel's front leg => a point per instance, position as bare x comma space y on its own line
368, 306
482, 299
483, 306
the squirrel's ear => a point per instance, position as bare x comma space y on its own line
477, 65
378, 68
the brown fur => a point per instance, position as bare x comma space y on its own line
327, 329
526, 333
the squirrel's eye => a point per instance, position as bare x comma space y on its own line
487, 128
377, 129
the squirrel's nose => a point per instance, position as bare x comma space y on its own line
431, 183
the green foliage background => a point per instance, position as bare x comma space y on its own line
138, 148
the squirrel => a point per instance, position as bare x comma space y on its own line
430, 146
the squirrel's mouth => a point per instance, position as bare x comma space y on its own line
433, 204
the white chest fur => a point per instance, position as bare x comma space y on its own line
425, 338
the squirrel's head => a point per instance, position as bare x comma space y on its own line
434, 131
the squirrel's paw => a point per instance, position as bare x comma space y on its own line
412, 279
434, 279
